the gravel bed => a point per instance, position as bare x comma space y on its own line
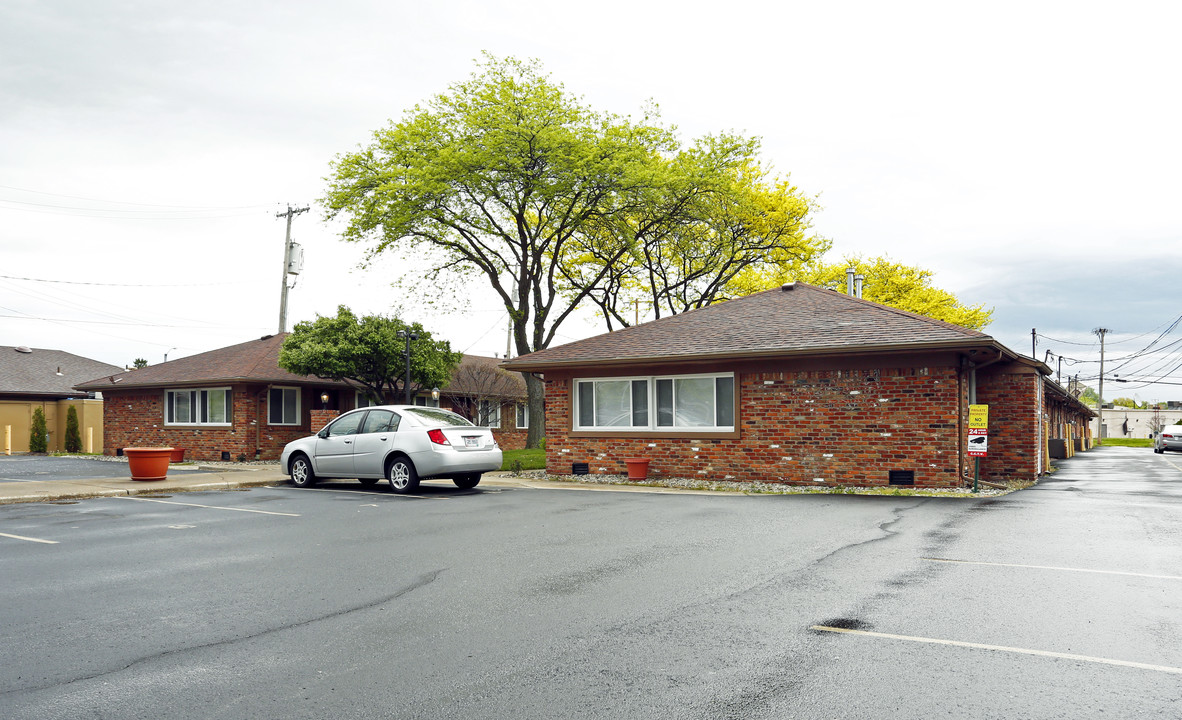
760, 488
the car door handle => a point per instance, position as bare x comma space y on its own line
348, 441
382, 438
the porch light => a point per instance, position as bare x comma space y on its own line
323, 400
434, 393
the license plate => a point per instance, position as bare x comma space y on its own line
471, 442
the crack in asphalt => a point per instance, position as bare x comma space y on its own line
420, 582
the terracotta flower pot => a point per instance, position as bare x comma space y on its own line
148, 463
177, 455
637, 468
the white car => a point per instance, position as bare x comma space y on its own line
1170, 438
402, 443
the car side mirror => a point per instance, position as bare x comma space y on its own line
322, 434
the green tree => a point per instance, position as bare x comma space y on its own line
73, 436
139, 363
38, 432
496, 178
717, 214
368, 351
1089, 396
1125, 402
906, 287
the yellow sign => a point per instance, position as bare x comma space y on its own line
979, 416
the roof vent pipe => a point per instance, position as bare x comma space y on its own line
858, 285
849, 281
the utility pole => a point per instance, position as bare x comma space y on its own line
1101, 332
286, 263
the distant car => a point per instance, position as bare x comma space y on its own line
401, 443
1170, 438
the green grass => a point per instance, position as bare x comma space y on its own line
1127, 442
534, 459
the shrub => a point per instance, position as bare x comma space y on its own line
73, 437
38, 433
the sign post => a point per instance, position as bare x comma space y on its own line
978, 439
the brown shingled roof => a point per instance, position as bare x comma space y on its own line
798, 319
253, 361
257, 361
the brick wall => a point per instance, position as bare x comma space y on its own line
136, 419
810, 427
1015, 450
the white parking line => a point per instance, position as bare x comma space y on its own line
211, 507
1052, 567
362, 492
1002, 648
22, 537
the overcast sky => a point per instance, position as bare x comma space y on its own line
1027, 152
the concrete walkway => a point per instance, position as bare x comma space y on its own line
219, 478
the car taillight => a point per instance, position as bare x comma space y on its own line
436, 437
1168, 436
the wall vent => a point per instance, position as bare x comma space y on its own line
579, 468
901, 477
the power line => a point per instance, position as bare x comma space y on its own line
98, 284
124, 202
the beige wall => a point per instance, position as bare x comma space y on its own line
16, 419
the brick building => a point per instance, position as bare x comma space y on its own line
236, 403
798, 385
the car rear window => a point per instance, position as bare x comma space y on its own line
435, 416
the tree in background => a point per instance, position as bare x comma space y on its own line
906, 287
73, 440
368, 352
716, 214
38, 432
478, 389
139, 363
510, 178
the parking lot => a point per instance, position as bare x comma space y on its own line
1059, 601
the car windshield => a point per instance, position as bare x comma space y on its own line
435, 416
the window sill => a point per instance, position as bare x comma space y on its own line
658, 434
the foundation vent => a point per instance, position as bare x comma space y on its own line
901, 477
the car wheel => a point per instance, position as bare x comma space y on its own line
302, 474
467, 482
402, 476
369, 482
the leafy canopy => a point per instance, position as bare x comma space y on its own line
368, 352
907, 287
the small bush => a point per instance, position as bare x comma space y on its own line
73, 436
38, 433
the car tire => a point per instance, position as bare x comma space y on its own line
402, 475
369, 482
1159, 451
302, 474
467, 482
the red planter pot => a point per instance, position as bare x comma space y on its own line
148, 463
177, 455
637, 468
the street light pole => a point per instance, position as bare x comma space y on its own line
406, 381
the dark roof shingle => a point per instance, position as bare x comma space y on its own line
803, 320
37, 372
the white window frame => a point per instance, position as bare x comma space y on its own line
361, 400
298, 408
653, 410
493, 414
522, 416
199, 403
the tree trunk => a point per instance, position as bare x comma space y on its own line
536, 390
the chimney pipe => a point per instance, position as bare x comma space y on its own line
858, 285
849, 281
